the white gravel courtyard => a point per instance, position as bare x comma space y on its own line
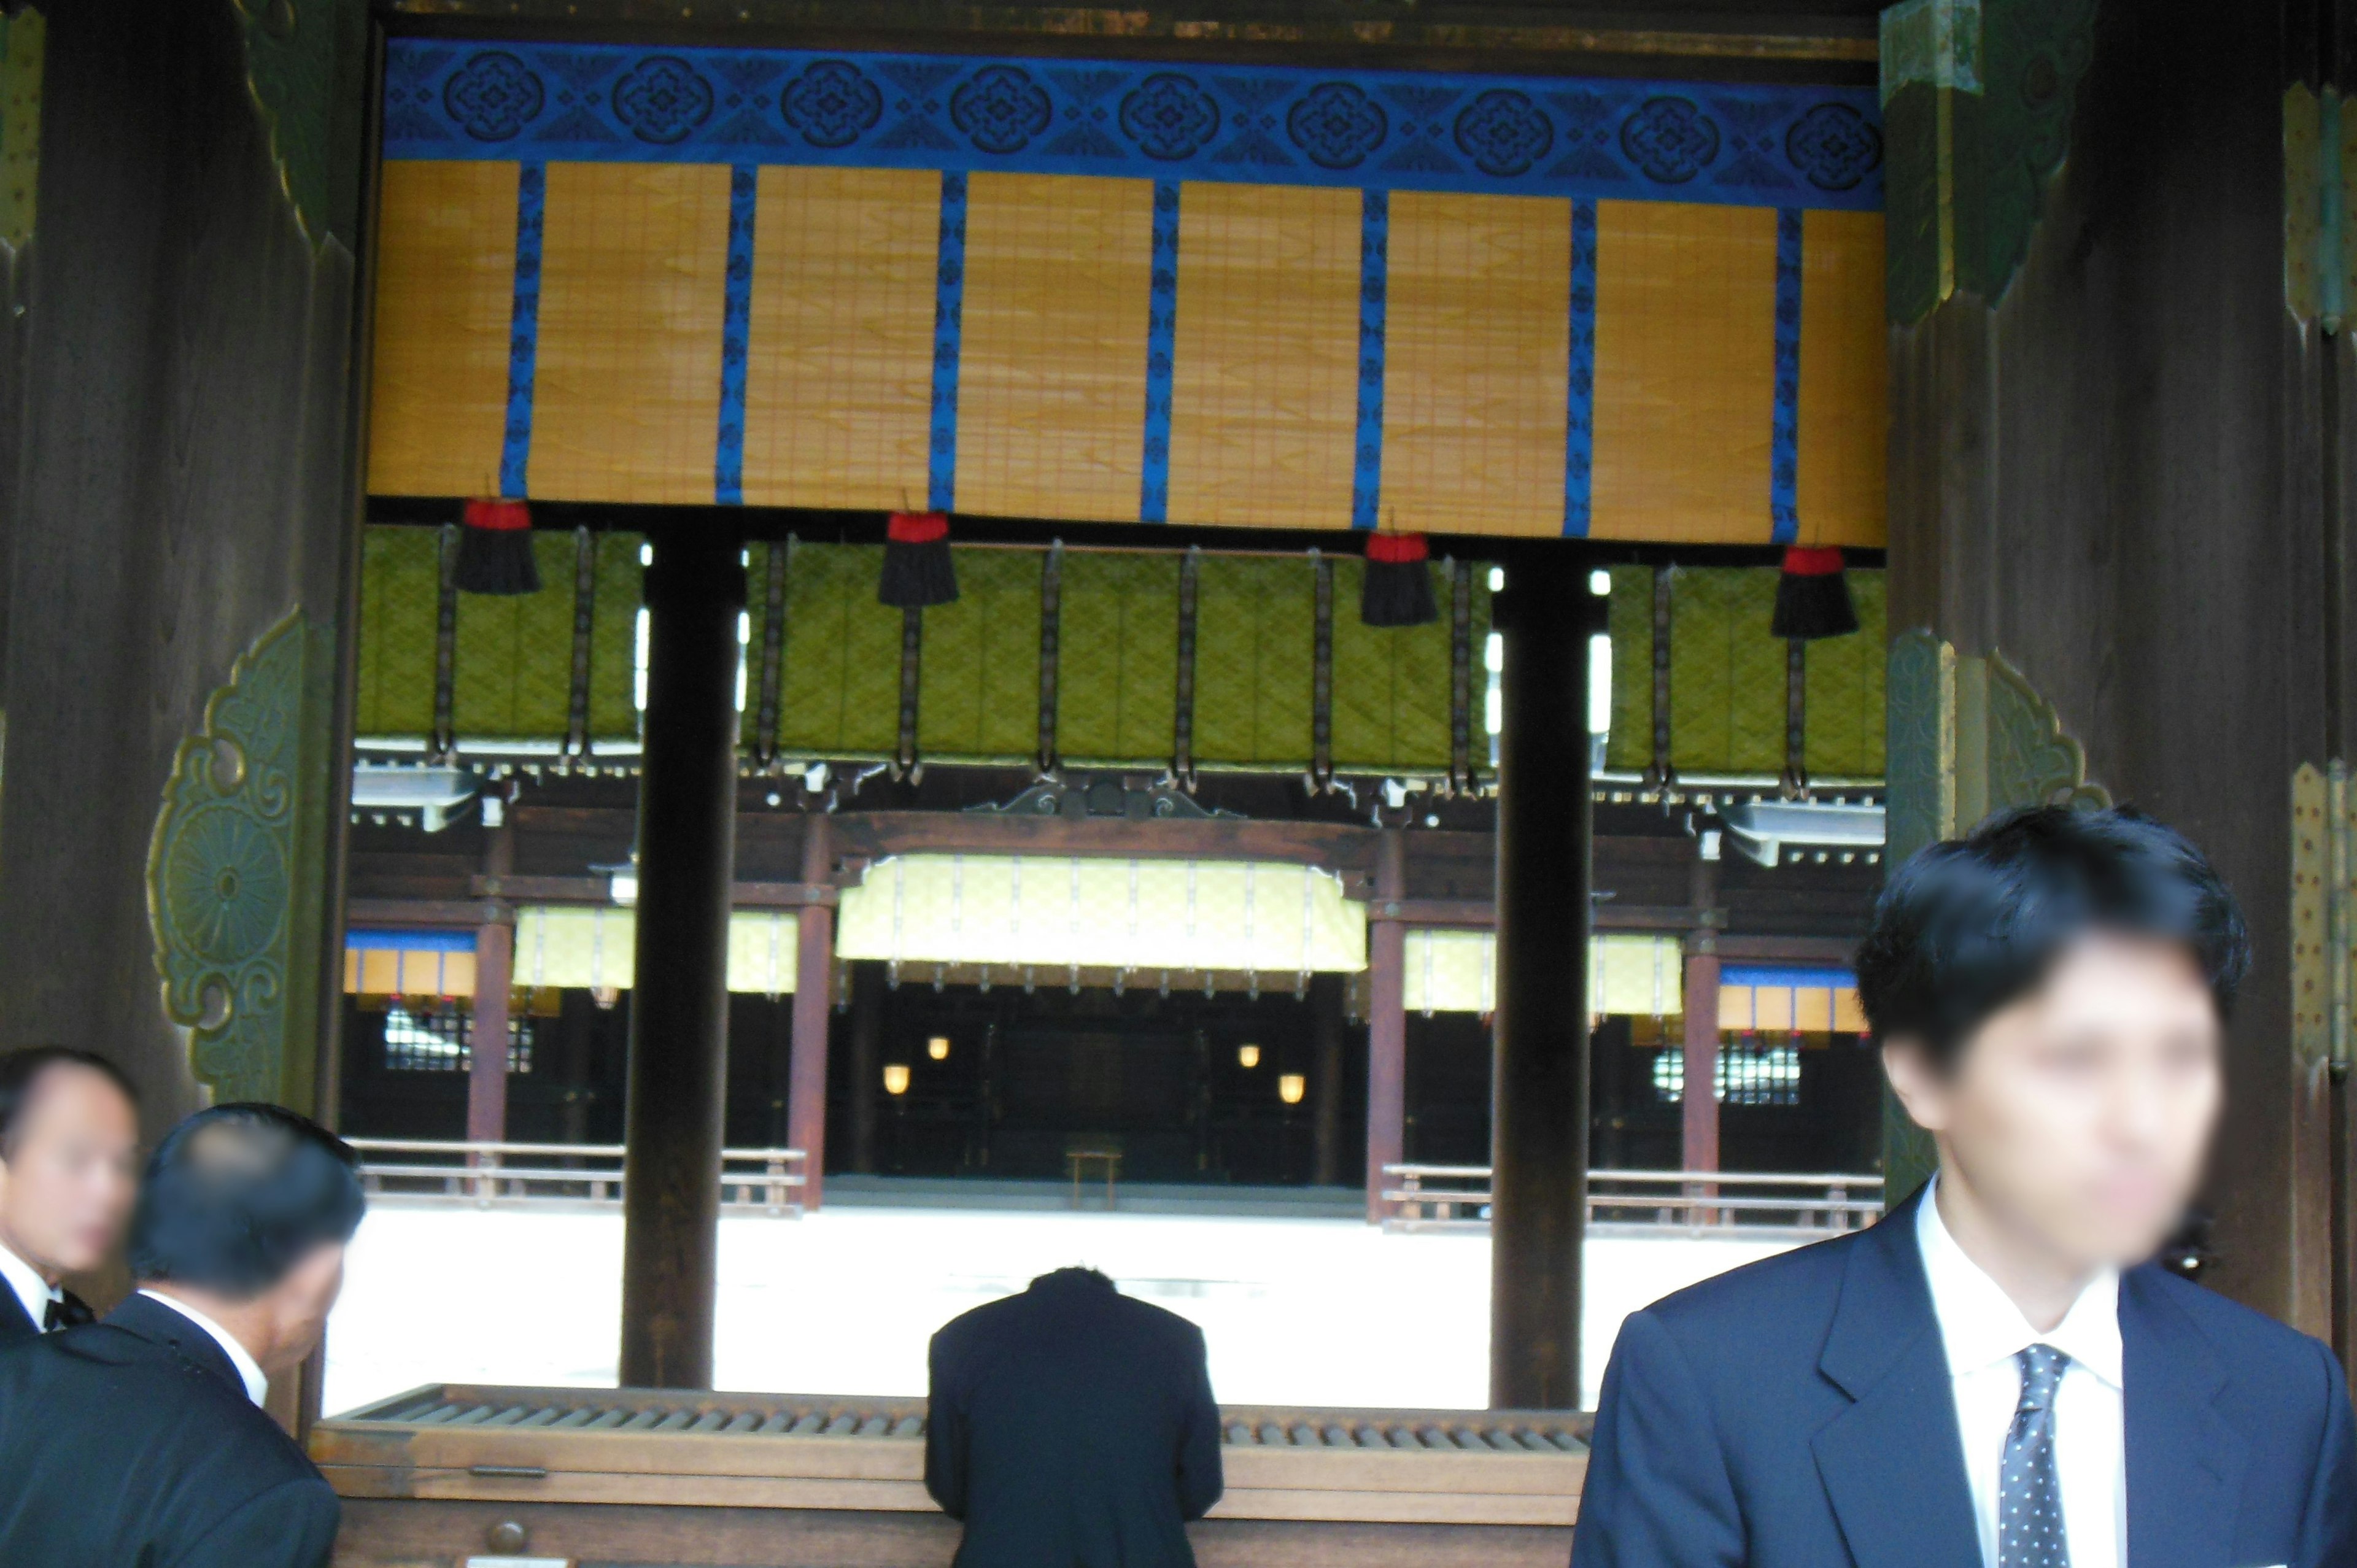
1296, 1311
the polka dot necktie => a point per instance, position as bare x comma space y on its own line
2029, 1531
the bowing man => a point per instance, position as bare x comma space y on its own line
1995, 1375
141, 1440
1072, 1425
68, 1169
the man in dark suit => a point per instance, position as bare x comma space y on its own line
140, 1441
1072, 1425
1995, 1376
68, 1169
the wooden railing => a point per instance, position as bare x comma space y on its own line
438, 1170
1717, 1202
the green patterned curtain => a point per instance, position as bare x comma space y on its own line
1391, 684
400, 582
978, 678
512, 671
614, 636
511, 659
840, 695
1117, 659
1728, 677
978, 674
1630, 622
1255, 655
1846, 723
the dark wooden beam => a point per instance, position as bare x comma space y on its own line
1539, 1080
600, 890
1802, 39
679, 1013
426, 914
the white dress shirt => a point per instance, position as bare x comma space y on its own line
1983, 1331
249, 1371
31, 1289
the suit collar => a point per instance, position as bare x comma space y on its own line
25, 1289
1893, 1463
146, 1318
2185, 1461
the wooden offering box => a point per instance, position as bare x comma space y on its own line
457, 1475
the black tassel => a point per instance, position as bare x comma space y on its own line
1812, 597
495, 551
1398, 587
917, 567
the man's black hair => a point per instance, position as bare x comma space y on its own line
236, 1195
1968, 926
20, 1076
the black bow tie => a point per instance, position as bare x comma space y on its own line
66, 1311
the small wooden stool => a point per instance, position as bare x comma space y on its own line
1078, 1154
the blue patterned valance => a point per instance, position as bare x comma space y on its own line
1745, 145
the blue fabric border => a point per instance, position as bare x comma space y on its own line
1579, 406
1374, 288
1161, 350
1785, 460
523, 331
735, 335
1741, 145
1796, 979
413, 940
948, 327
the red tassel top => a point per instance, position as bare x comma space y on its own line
498, 517
1397, 549
1804, 563
916, 527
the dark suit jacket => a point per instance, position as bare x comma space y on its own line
1072, 1427
1798, 1414
130, 1444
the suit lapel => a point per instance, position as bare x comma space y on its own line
2184, 1461
1893, 1463
14, 1323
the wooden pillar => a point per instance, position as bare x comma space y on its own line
1699, 1144
1386, 1019
487, 1075
487, 1072
866, 1061
814, 1006
1539, 1081
1699, 1122
1325, 1075
679, 1011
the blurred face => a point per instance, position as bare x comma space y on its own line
2080, 1116
67, 1186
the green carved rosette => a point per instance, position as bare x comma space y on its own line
236, 872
